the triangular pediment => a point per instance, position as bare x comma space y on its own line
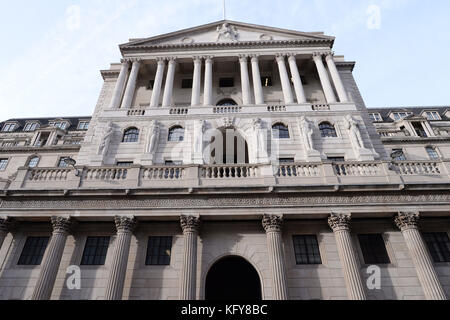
227, 32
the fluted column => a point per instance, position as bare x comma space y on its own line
131, 86
340, 223
52, 259
120, 85
196, 82
336, 77
299, 91
125, 227
324, 78
156, 93
208, 81
168, 90
285, 83
257, 86
190, 226
245, 80
4, 229
408, 224
273, 226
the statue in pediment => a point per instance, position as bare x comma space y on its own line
227, 32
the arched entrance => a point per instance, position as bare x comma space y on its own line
233, 278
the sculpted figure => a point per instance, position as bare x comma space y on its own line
355, 135
152, 138
104, 145
199, 129
260, 137
227, 32
307, 133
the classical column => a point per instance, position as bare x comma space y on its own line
408, 224
190, 226
340, 223
285, 83
4, 227
208, 81
324, 79
196, 82
273, 226
125, 227
245, 80
336, 77
168, 90
52, 259
257, 85
156, 93
131, 86
300, 92
120, 85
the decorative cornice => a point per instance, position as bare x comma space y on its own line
272, 223
407, 220
190, 223
125, 224
62, 224
340, 221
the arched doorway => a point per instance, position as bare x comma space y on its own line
233, 278
228, 146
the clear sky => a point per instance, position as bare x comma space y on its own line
52, 51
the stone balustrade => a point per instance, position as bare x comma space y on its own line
192, 176
227, 109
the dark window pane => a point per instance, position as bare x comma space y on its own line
306, 249
176, 134
266, 81
373, 249
327, 130
280, 131
33, 251
95, 251
131, 135
438, 245
159, 250
186, 83
226, 82
150, 84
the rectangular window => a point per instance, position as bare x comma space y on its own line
3, 163
33, 251
432, 153
439, 246
336, 159
9, 127
401, 157
376, 117
432, 115
226, 82
420, 131
266, 81
186, 84
306, 250
373, 249
83, 125
400, 115
125, 163
159, 251
30, 127
150, 85
61, 125
62, 163
95, 251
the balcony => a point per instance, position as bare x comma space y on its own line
305, 177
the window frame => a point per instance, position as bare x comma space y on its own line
279, 137
385, 246
127, 134
102, 257
376, 116
7, 159
84, 127
308, 262
433, 118
171, 133
35, 156
424, 235
150, 255
12, 126
34, 126
61, 160
435, 150
22, 264
404, 154
328, 129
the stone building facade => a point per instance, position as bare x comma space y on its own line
227, 161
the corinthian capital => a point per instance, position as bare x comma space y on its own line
125, 224
280, 57
340, 221
407, 220
62, 224
272, 223
190, 223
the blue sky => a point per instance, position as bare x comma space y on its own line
52, 51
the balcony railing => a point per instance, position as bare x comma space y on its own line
262, 175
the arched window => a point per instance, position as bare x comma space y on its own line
176, 134
33, 162
280, 131
227, 102
131, 135
327, 130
